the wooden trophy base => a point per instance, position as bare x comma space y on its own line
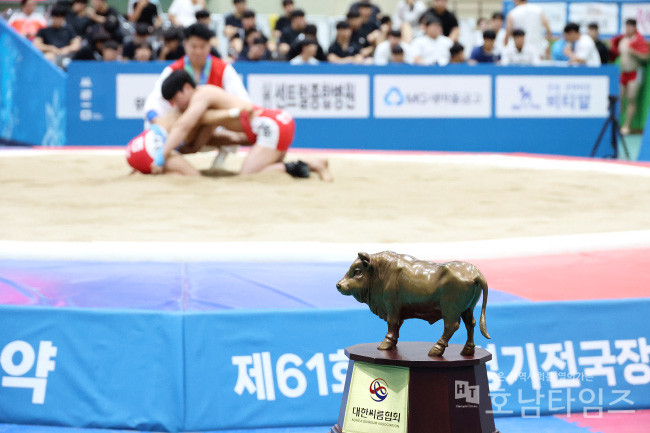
446, 394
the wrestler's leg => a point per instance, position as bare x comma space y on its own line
261, 158
177, 164
631, 93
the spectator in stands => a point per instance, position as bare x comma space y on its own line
447, 19
77, 18
181, 13
457, 53
256, 51
141, 35
369, 22
234, 20
250, 37
58, 42
93, 49
309, 32
532, 20
603, 51
374, 9
172, 47
496, 24
407, 17
520, 52
308, 50
106, 16
385, 27
486, 53
580, 49
432, 47
397, 54
111, 51
248, 25
359, 37
143, 52
384, 52
481, 25
145, 11
633, 51
203, 17
285, 20
27, 21
557, 51
344, 49
290, 34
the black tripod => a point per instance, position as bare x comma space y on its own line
616, 131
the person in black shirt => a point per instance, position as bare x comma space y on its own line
344, 49
233, 20
448, 19
375, 11
603, 51
256, 52
359, 36
291, 33
93, 50
143, 52
284, 21
107, 17
309, 32
57, 41
203, 17
143, 11
172, 48
142, 33
77, 18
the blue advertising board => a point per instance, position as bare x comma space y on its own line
32, 93
483, 108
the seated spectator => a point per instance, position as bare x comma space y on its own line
359, 37
203, 17
374, 9
457, 53
603, 51
283, 21
181, 13
496, 24
291, 33
250, 37
77, 19
58, 42
308, 50
481, 25
397, 54
447, 19
520, 53
143, 52
144, 11
111, 51
93, 50
141, 35
309, 32
369, 23
407, 17
233, 20
486, 53
106, 16
557, 51
172, 48
432, 47
344, 49
385, 27
27, 21
384, 52
237, 42
256, 51
580, 49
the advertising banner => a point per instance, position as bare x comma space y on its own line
551, 97
432, 96
131, 93
603, 14
312, 95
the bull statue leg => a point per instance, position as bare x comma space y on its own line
450, 327
470, 323
390, 340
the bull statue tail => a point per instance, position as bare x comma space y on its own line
482, 324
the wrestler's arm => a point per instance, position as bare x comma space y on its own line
188, 121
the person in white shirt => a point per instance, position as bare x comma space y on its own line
497, 25
520, 52
182, 12
533, 21
308, 50
407, 16
384, 51
580, 49
432, 47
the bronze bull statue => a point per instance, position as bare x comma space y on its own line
397, 287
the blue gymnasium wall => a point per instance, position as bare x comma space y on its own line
171, 371
32, 93
554, 110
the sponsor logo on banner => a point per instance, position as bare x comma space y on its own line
18, 358
312, 95
131, 93
544, 97
426, 96
382, 406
